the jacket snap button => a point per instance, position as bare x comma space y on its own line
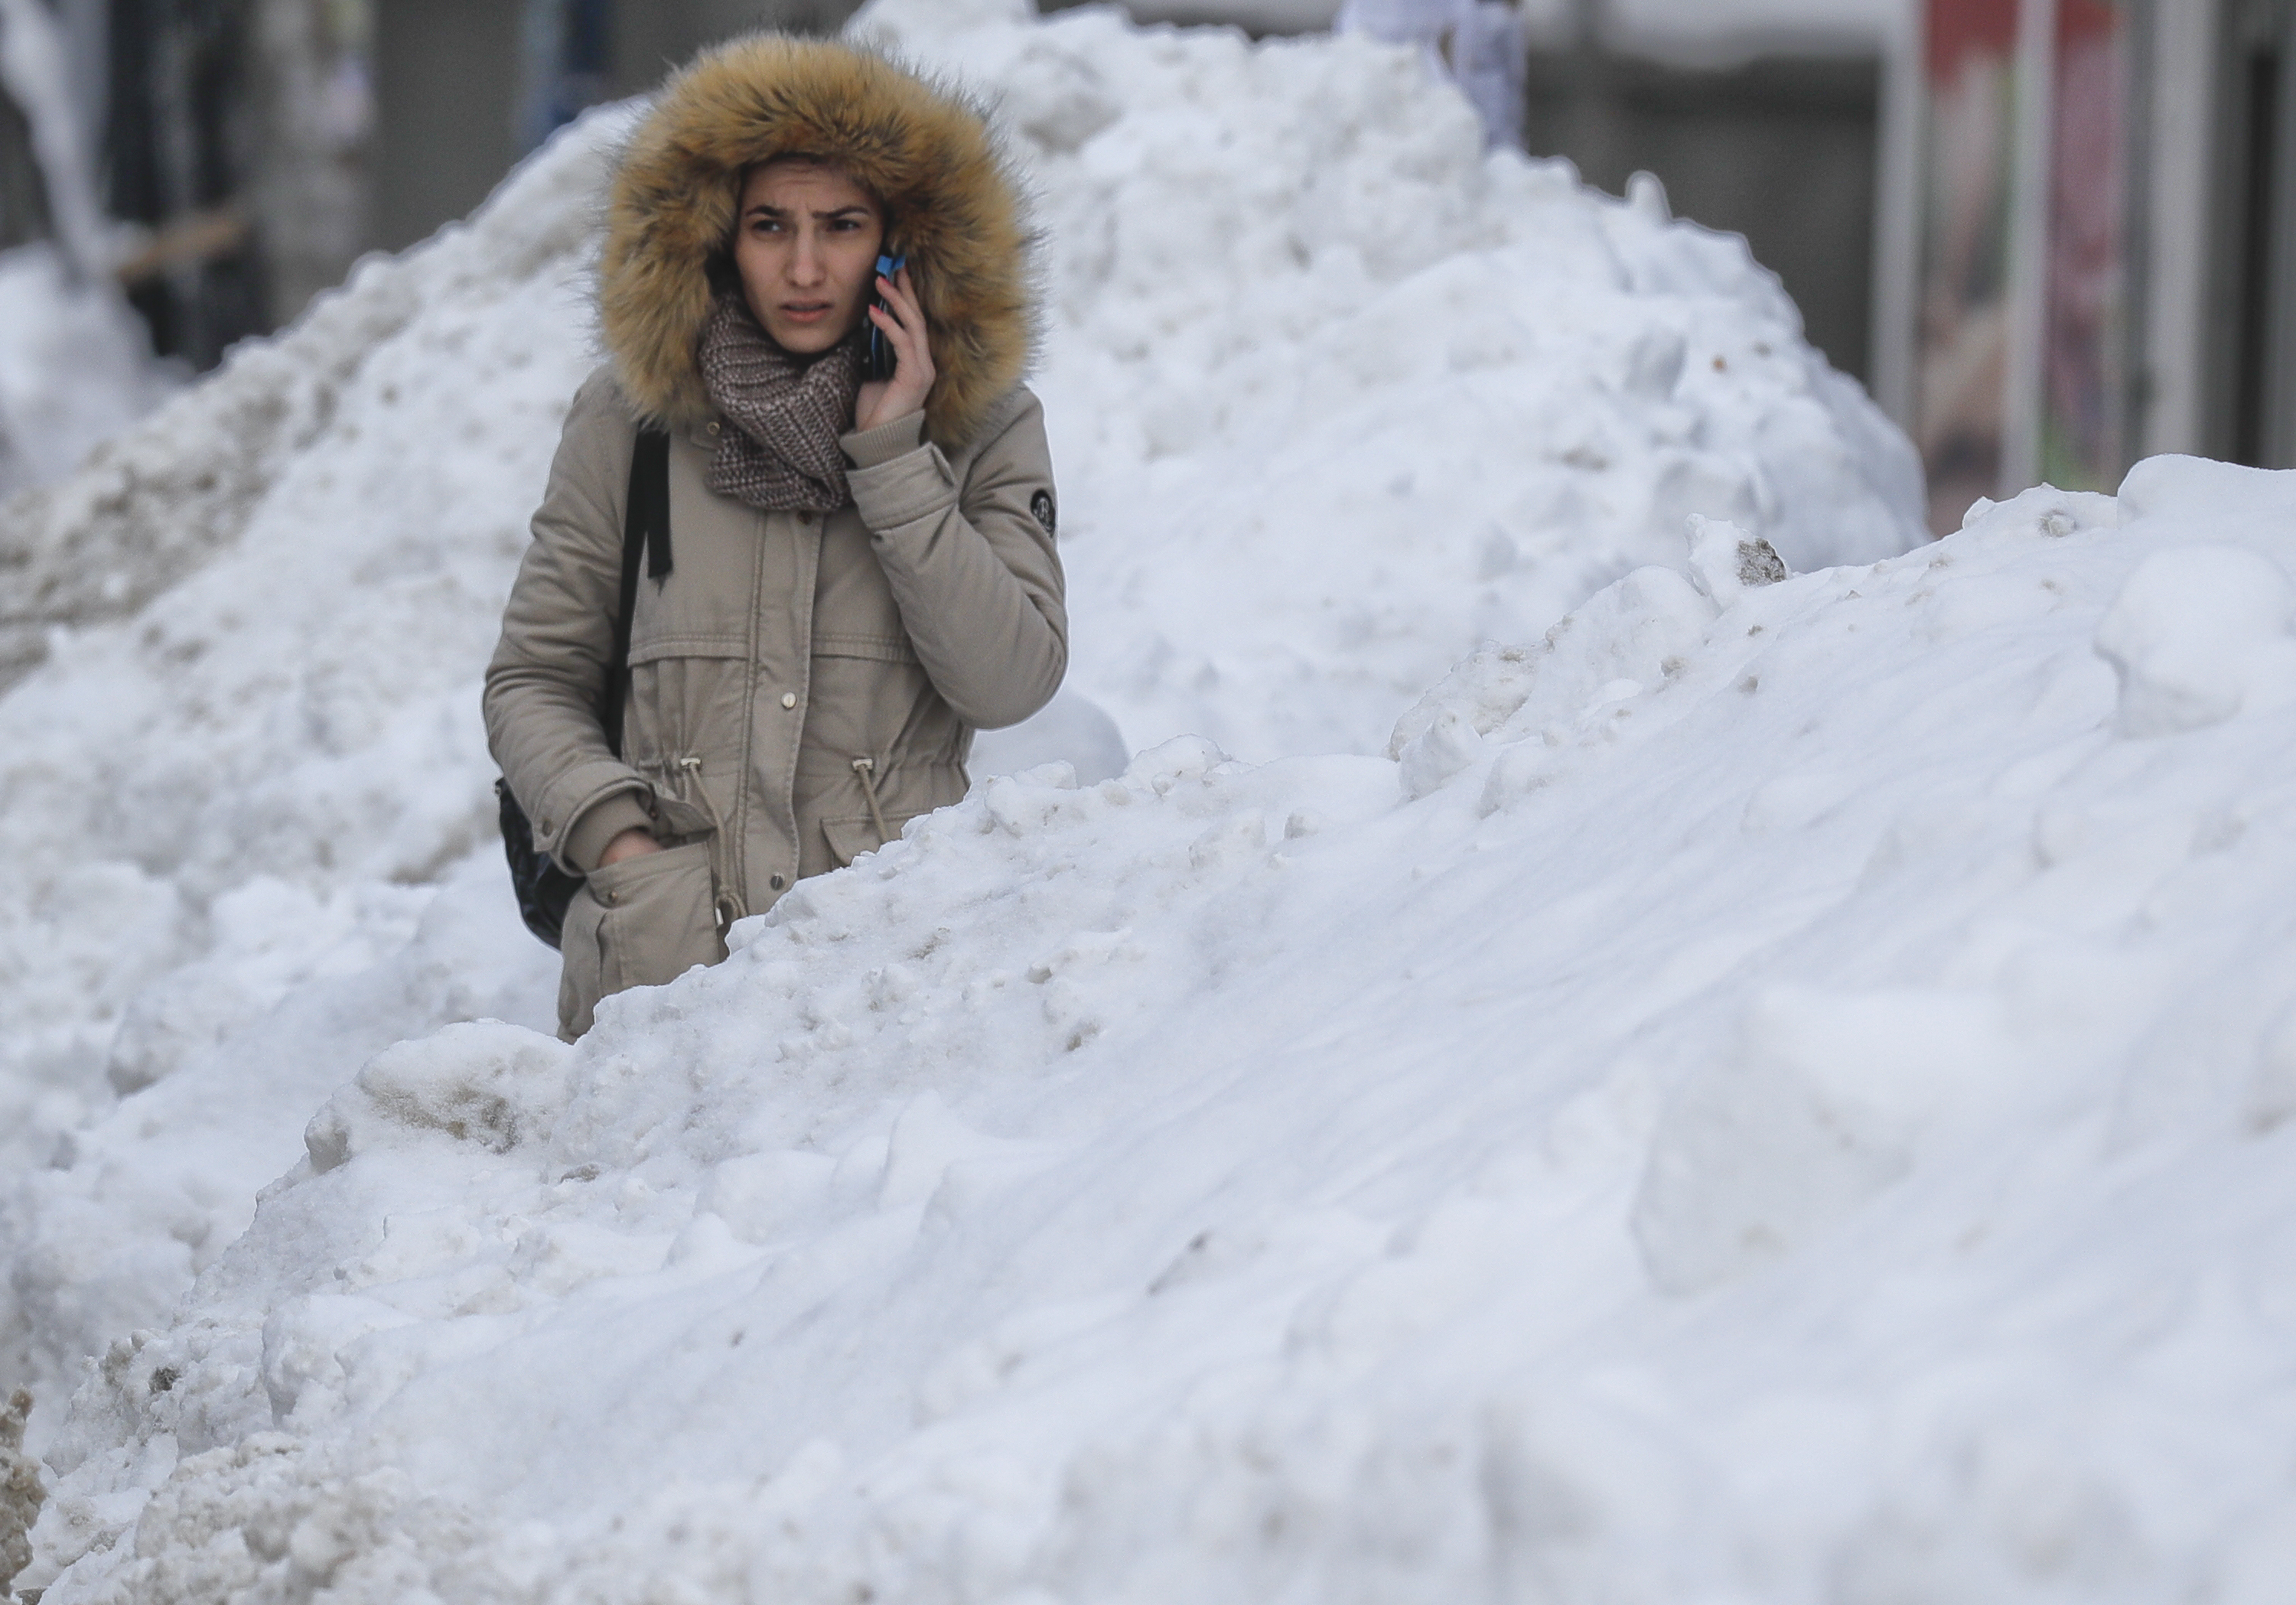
778, 883
789, 698
713, 428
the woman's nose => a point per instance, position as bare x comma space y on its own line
805, 263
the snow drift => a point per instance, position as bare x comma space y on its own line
1334, 399
247, 791
1781, 1091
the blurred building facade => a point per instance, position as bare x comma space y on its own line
2029, 267
2101, 228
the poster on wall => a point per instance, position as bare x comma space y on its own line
2084, 389
1963, 340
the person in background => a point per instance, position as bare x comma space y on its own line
1479, 45
861, 572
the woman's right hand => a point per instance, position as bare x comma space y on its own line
903, 319
632, 843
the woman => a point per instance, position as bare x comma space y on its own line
862, 574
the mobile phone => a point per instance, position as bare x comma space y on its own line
882, 359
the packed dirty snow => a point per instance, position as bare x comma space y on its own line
1334, 401
1780, 1091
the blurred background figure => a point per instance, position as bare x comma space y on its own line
1479, 45
75, 364
2050, 235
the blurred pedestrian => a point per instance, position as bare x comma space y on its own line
1479, 44
857, 571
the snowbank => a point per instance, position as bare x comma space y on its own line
1781, 1092
1334, 399
1772, 1088
250, 791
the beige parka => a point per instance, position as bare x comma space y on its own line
800, 685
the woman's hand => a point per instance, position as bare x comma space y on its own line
904, 323
632, 843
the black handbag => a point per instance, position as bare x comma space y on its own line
544, 888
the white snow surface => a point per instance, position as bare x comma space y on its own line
875, 1211
1780, 1091
1334, 399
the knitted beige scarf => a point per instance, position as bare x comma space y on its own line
788, 411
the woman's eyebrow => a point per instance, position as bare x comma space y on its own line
767, 209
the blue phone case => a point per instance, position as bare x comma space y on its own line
882, 359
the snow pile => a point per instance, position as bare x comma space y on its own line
248, 793
1781, 1092
1334, 399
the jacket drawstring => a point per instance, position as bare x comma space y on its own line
866, 768
727, 907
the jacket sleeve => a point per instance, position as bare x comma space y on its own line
543, 683
973, 572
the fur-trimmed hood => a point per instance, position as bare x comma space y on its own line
925, 153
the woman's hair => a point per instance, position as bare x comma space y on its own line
725, 279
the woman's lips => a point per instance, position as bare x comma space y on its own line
810, 312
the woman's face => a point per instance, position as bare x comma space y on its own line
806, 245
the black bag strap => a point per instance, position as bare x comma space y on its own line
645, 533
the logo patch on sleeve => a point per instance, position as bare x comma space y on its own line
1041, 504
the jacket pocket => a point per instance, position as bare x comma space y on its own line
854, 643
848, 839
641, 922
580, 984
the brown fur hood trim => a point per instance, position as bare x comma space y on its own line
922, 150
